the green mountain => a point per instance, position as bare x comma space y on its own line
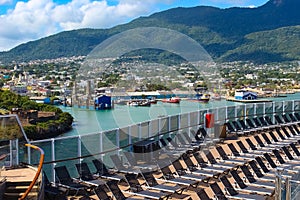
269, 33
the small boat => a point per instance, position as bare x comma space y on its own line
139, 103
216, 96
153, 101
144, 103
132, 103
203, 97
172, 100
121, 102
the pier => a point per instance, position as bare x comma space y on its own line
248, 101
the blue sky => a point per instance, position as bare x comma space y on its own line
23, 21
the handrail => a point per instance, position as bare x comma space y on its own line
38, 171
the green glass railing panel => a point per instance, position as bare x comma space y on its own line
90, 144
144, 128
297, 106
66, 148
164, 125
240, 111
47, 148
201, 117
109, 140
278, 108
288, 106
154, 127
70, 164
124, 137
231, 113
184, 120
106, 159
250, 110
260, 109
222, 114
268, 108
174, 125
134, 129
194, 118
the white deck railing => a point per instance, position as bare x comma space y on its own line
73, 149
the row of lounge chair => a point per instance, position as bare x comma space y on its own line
240, 169
262, 123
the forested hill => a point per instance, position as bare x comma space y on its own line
265, 34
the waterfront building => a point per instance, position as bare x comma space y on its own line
245, 95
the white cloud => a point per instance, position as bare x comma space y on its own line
230, 1
39, 18
5, 2
26, 22
251, 6
98, 14
234, 3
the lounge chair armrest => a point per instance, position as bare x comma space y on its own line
235, 185
175, 173
3, 179
76, 180
226, 191
112, 170
179, 172
95, 175
245, 179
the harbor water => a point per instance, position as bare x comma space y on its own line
90, 121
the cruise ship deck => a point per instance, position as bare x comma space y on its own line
249, 163
238, 152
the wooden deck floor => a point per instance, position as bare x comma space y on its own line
19, 174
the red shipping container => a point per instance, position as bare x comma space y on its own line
209, 120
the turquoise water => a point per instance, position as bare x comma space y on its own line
91, 121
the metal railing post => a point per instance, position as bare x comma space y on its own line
79, 147
150, 128
198, 119
288, 188
179, 122
293, 106
274, 112
118, 138
217, 114
29, 155
235, 113
129, 134
188, 125
101, 144
169, 124
17, 151
53, 158
159, 126
278, 186
11, 154
140, 131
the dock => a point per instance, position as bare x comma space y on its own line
248, 101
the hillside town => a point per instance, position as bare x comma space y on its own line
42, 79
